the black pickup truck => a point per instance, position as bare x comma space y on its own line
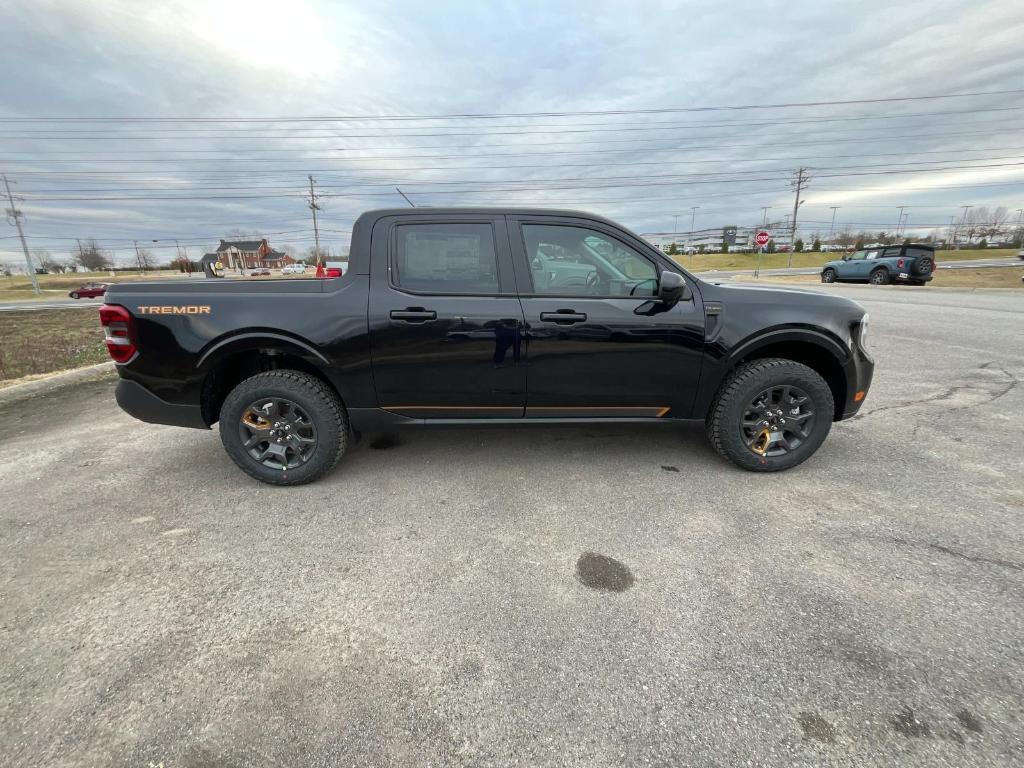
486, 316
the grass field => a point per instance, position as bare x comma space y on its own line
991, 277
717, 261
49, 340
19, 287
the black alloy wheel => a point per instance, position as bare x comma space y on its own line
778, 420
828, 276
277, 433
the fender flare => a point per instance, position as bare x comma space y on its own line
248, 340
817, 336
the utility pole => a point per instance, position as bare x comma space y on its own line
1020, 230
675, 224
798, 184
899, 221
832, 226
764, 215
14, 216
693, 216
314, 207
904, 218
956, 232
138, 256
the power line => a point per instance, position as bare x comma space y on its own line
499, 115
464, 156
232, 132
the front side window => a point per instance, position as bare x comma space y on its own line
445, 258
576, 261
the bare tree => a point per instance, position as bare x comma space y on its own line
314, 255
45, 260
997, 222
91, 258
241, 234
146, 259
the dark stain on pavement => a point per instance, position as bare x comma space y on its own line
669, 468
969, 721
816, 728
384, 442
603, 573
963, 555
907, 724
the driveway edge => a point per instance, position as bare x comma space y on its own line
57, 380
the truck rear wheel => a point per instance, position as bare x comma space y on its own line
284, 427
879, 277
770, 415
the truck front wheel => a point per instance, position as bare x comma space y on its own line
770, 415
284, 427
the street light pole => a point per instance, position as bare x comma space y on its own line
832, 227
956, 232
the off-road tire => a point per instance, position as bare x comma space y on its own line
316, 398
879, 277
828, 275
923, 266
723, 424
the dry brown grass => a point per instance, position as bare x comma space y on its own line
49, 340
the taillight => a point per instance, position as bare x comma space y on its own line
118, 332
900, 263
333, 272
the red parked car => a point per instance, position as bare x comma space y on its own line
89, 291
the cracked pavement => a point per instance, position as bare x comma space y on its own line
543, 596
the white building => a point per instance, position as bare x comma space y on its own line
741, 239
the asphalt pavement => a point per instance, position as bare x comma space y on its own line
564, 596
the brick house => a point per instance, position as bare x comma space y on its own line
250, 254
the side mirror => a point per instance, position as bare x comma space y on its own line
672, 288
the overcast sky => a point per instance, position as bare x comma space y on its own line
256, 59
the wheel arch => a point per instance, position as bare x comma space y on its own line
819, 350
230, 360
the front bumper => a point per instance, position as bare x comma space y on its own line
139, 402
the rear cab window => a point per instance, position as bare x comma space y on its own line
445, 258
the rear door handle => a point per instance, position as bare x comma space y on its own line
413, 315
563, 317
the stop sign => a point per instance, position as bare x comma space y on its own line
762, 238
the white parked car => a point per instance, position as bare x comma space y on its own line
294, 269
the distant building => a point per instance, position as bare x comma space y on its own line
711, 239
249, 254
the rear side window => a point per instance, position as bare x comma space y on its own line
445, 258
914, 253
892, 252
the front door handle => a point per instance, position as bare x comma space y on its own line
413, 315
563, 317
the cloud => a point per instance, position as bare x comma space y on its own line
259, 60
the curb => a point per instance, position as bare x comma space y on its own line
57, 381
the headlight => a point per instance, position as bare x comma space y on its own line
863, 338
